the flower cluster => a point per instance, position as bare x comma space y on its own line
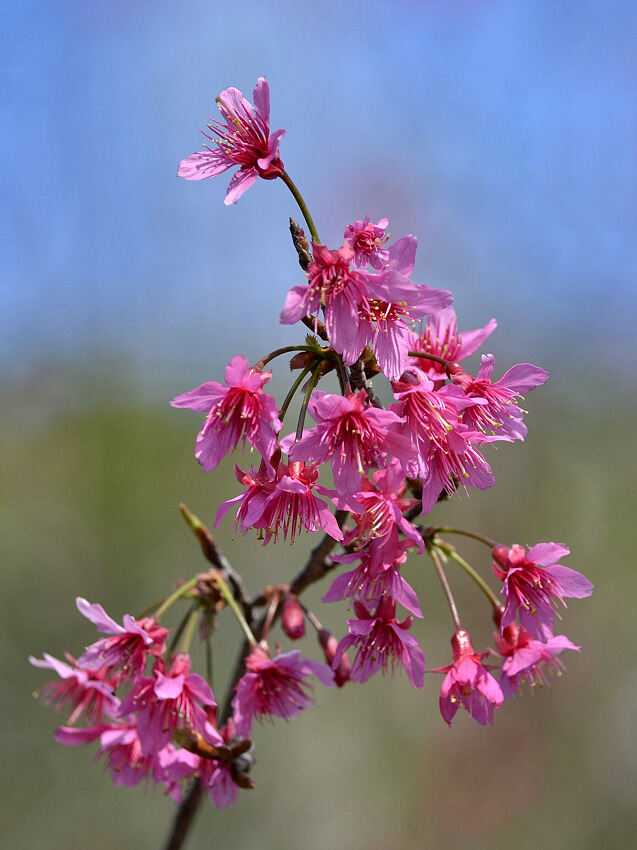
381, 469
155, 720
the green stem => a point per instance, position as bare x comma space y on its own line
174, 597
288, 399
286, 350
445, 586
306, 400
302, 205
225, 591
190, 628
447, 529
484, 587
176, 637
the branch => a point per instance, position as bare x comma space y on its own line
317, 565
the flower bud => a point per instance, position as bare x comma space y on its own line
292, 619
329, 643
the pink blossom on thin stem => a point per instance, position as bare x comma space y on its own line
367, 238
446, 453
440, 336
275, 687
169, 700
534, 582
283, 504
241, 138
381, 643
468, 683
378, 574
124, 653
377, 511
501, 413
526, 659
119, 745
88, 694
352, 435
239, 411
362, 308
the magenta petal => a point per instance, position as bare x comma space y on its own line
169, 687
203, 164
402, 254
72, 737
202, 399
296, 305
573, 584
241, 182
524, 377
547, 554
98, 616
472, 340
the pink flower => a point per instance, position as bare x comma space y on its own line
440, 336
244, 140
351, 435
446, 453
468, 683
378, 511
88, 694
216, 776
534, 583
274, 687
167, 701
238, 411
125, 652
526, 659
120, 746
284, 503
367, 239
360, 308
501, 411
381, 643
378, 574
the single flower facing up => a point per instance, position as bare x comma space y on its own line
242, 138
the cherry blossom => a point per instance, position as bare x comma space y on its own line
241, 138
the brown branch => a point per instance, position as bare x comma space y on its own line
317, 565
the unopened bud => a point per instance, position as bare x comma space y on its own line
501, 562
293, 619
329, 643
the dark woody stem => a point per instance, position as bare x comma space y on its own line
302, 205
317, 565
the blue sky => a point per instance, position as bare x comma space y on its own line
503, 135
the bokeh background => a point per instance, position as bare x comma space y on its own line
504, 136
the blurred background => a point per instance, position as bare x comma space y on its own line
504, 136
